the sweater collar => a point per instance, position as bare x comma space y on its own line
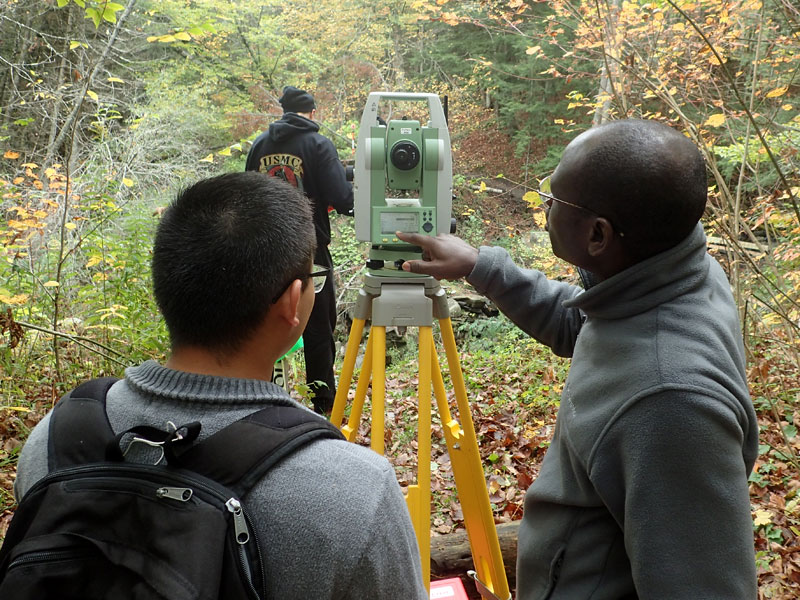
649, 283
153, 379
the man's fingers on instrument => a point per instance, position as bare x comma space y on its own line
411, 238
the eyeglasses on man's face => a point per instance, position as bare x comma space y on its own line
547, 199
318, 277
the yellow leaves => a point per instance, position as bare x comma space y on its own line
450, 18
164, 39
92, 95
762, 518
533, 50
787, 107
115, 310
115, 80
50, 284
777, 92
11, 155
717, 59
533, 199
24, 409
552, 71
13, 300
128, 182
25, 224
540, 219
715, 120
208, 159
93, 261
70, 226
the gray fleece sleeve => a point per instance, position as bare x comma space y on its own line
671, 472
529, 299
389, 567
32, 464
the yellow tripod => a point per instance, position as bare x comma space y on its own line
405, 301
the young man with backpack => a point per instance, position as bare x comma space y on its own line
294, 150
232, 273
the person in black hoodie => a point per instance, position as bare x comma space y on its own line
294, 150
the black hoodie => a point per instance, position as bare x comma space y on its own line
294, 150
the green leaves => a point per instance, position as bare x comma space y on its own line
97, 11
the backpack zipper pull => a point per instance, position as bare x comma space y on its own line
174, 493
239, 522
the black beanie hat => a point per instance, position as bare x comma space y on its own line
296, 100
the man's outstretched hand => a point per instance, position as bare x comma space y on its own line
444, 256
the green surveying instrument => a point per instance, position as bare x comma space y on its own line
399, 157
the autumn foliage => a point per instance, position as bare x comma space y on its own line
106, 108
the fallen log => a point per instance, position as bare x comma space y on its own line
451, 556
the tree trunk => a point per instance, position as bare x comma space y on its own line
12, 81
71, 120
63, 69
451, 556
610, 82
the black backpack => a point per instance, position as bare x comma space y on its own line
97, 527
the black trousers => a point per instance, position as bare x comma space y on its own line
318, 344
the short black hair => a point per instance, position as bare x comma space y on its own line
648, 179
224, 249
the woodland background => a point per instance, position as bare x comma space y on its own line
107, 108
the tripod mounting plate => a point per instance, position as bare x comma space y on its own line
401, 302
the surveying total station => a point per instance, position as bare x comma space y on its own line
401, 157
403, 182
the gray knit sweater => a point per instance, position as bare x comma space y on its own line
331, 518
643, 491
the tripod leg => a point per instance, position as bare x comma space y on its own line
462, 446
346, 376
377, 336
419, 494
351, 429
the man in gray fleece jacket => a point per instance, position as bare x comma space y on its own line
232, 276
643, 491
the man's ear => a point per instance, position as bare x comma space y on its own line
601, 237
286, 307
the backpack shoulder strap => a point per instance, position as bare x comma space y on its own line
79, 428
239, 455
